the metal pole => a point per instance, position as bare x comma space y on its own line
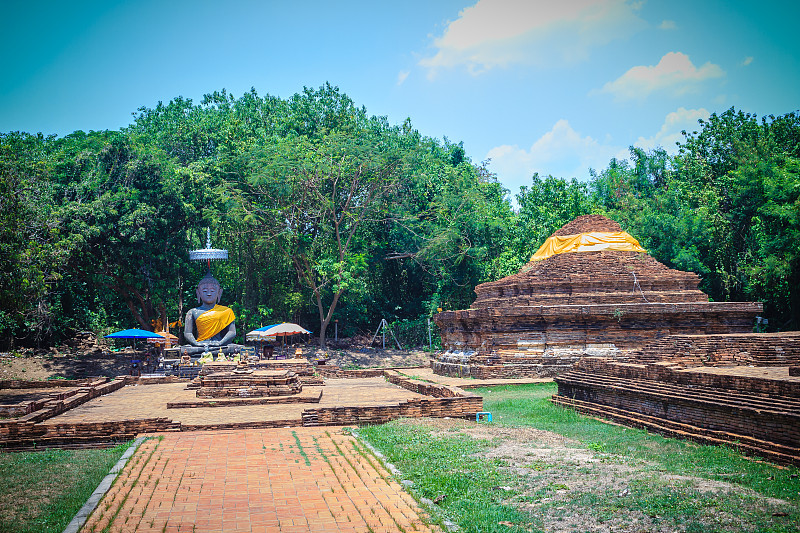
383, 332
336, 329
430, 342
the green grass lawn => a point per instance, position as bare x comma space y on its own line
40, 492
596, 475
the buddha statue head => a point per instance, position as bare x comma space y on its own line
209, 291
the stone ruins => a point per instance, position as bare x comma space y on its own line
738, 389
542, 320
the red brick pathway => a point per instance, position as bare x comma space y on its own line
287, 480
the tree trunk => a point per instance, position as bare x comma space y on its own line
325, 318
322, 329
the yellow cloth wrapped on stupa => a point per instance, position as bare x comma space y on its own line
213, 321
594, 241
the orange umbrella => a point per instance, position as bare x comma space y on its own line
168, 339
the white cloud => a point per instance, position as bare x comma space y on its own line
670, 132
674, 73
561, 152
747, 60
565, 153
401, 76
499, 33
668, 25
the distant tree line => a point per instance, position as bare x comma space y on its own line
332, 214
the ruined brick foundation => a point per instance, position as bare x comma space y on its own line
732, 389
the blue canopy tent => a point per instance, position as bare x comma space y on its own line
285, 328
260, 331
134, 335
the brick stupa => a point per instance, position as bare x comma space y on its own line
554, 311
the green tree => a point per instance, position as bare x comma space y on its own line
29, 262
318, 196
125, 218
543, 207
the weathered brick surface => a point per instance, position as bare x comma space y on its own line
310, 397
763, 413
249, 385
50, 384
367, 407
465, 406
536, 330
426, 388
59, 400
151, 380
443, 401
752, 349
333, 371
509, 370
300, 366
255, 481
24, 434
665, 347
666, 374
770, 450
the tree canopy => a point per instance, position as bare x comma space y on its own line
331, 213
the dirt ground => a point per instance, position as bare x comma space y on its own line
571, 475
84, 357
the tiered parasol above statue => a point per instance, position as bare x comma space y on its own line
208, 253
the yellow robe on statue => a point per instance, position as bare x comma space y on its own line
213, 321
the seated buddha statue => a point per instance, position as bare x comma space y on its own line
209, 327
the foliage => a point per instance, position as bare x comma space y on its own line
727, 207
29, 258
126, 218
312, 200
415, 333
544, 206
332, 214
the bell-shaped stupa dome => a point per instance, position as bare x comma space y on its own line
595, 262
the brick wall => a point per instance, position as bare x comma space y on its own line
501, 371
769, 450
459, 407
60, 400
425, 388
752, 349
663, 373
21, 434
49, 384
758, 415
777, 426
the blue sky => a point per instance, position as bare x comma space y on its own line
555, 87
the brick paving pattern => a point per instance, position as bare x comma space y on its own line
150, 401
276, 480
